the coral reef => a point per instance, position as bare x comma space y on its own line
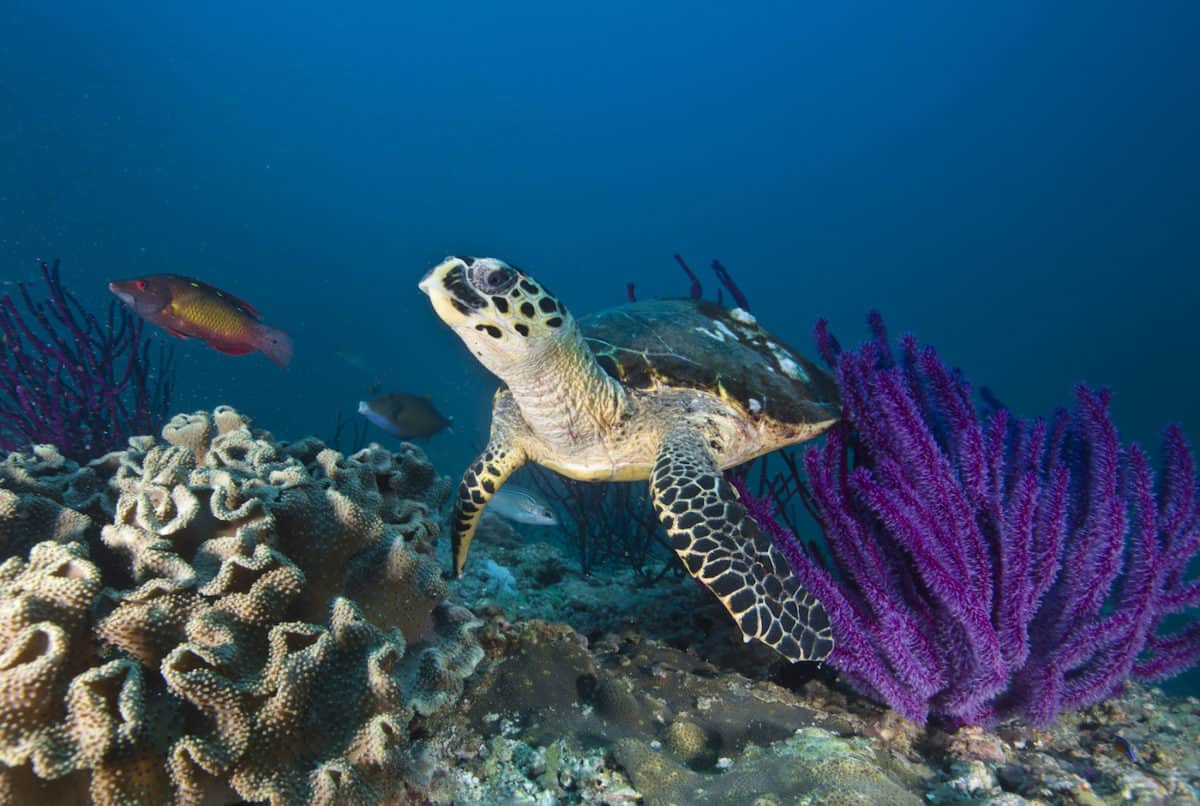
69, 381
551, 718
995, 567
601, 606
813, 767
215, 617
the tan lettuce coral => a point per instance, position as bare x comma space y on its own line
256, 621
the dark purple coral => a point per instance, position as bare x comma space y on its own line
69, 380
696, 290
988, 565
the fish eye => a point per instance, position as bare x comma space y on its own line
141, 285
492, 277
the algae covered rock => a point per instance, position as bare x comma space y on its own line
814, 767
250, 621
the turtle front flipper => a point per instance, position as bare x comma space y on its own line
723, 548
479, 483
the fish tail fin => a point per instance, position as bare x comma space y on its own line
275, 345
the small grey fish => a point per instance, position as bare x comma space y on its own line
403, 415
514, 504
355, 360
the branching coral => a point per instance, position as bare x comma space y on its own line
257, 621
992, 566
72, 382
612, 523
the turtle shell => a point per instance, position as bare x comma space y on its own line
697, 344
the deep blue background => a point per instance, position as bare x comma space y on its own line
1017, 183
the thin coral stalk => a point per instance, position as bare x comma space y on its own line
67, 380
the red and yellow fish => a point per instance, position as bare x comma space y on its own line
188, 308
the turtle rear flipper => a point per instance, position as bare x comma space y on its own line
723, 548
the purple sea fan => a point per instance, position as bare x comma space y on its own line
69, 380
986, 565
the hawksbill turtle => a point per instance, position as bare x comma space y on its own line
673, 391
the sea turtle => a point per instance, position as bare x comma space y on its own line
673, 391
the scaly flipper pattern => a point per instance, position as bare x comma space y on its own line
479, 483
723, 548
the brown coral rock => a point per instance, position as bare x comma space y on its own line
273, 621
28, 519
43, 610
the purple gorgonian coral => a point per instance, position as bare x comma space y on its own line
69, 379
986, 565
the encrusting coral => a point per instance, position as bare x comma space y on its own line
254, 621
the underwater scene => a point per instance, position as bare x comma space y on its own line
599, 403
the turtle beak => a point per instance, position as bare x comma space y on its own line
435, 278
429, 279
449, 308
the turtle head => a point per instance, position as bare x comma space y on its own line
502, 314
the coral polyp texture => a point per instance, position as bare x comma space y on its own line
987, 566
215, 617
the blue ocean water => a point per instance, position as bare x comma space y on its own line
1014, 182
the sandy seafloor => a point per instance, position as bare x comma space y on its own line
598, 690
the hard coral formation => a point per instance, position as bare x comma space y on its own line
993, 566
254, 620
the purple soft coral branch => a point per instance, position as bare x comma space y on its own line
855, 548
696, 291
1095, 553
1176, 497
1102, 655
953, 397
1170, 655
727, 280
1182, 599
67, 380
74, 353
827, 346
931, 509
1014, 538
853, 646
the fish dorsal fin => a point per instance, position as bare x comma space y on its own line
238, 301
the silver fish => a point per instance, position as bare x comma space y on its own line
514, 504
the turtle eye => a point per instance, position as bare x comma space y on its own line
492, 277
